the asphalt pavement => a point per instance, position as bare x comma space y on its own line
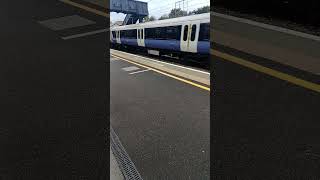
163, 123
265, 121
53, 93
262, 127
285, 46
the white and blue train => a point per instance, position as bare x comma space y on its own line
188, 35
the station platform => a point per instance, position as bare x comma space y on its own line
186, 72
163, 122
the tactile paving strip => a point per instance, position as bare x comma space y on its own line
127, 167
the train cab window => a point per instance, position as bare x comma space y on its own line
204, 34
185, 33
113, 34
193, 32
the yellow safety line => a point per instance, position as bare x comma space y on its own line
86, 8
166, 74
269, 71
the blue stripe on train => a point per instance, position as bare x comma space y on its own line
163, 44
132, 42
203, 47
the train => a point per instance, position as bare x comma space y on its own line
180, 37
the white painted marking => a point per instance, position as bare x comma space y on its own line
66, 22
154, 52
183, 67
113, 59
268, 26
140, 71
130, 68
84, 34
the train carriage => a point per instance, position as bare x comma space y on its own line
188, 35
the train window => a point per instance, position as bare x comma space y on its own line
170, 32
138, 33
185, 33
160, 33
130, 34
173, 32
114, 34
142, 37
204, 34
150, 33
193, 32
163, 31
122, 34
134, 33
178, 32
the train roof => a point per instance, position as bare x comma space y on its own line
203, 18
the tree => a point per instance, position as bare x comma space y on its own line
177, 13
204, 9
174, 13
151, 18
165, 16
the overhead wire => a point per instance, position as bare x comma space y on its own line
165, 9
172, 4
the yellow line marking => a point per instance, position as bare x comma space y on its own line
85, 8
166, 74
269, 71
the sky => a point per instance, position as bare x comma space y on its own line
159, 7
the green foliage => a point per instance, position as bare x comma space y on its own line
204, 9
177, 13
147, 19
165, 16
152, 18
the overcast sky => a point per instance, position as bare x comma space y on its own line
160, 7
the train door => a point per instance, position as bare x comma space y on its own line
140, 37
189, 37
118, 37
